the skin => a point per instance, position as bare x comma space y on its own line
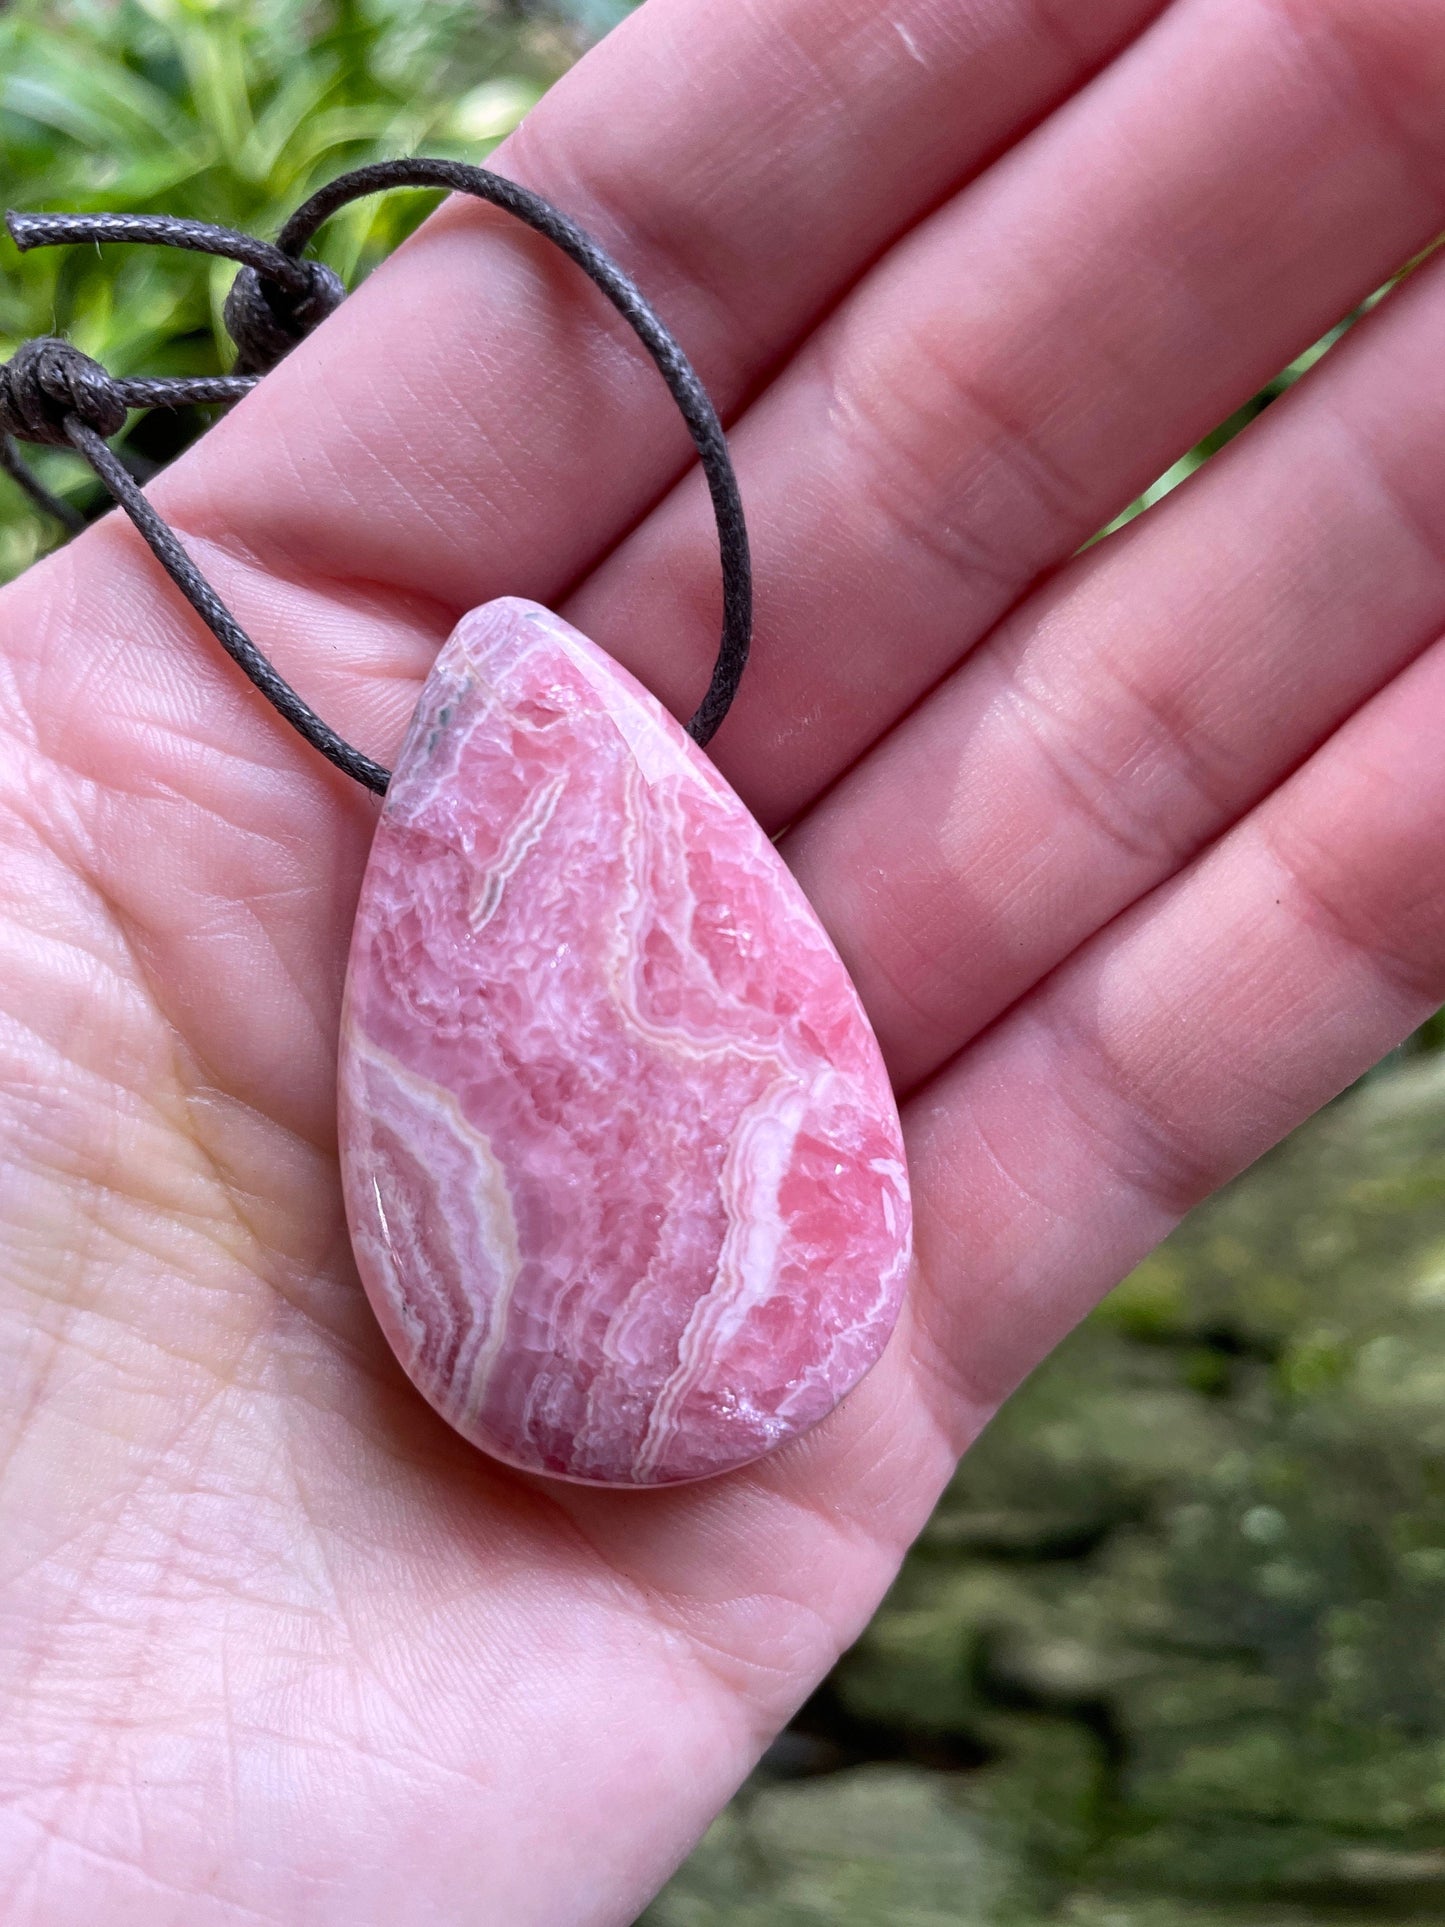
1136, 859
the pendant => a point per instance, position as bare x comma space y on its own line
622, 1164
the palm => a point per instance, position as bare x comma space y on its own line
1153, 870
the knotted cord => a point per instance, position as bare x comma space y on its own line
54, 396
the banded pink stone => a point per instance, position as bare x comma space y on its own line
622, 1165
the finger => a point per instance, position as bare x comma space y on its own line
445, 438
1034, 355
1126, 715
450, 430
1183, 1041
287, 481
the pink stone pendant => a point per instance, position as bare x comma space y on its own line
622, 1164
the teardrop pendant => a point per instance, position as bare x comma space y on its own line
622, 1165
623, 1170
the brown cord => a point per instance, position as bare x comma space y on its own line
53, 395
20, 472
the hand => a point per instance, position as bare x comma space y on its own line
1134, 863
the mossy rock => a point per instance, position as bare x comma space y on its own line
877, 1846
1173, 1647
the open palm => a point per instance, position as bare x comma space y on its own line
1135, 859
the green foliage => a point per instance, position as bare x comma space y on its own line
229, 111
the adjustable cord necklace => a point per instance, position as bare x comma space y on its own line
621, 1163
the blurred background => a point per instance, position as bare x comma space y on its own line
1172, 1651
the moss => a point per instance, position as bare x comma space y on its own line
1174, 1642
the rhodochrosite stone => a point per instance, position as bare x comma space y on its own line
623, 1168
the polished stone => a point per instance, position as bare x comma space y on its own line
622, 1164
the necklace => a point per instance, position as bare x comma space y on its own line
621, 1163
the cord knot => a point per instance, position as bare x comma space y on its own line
46, 381
266, 320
